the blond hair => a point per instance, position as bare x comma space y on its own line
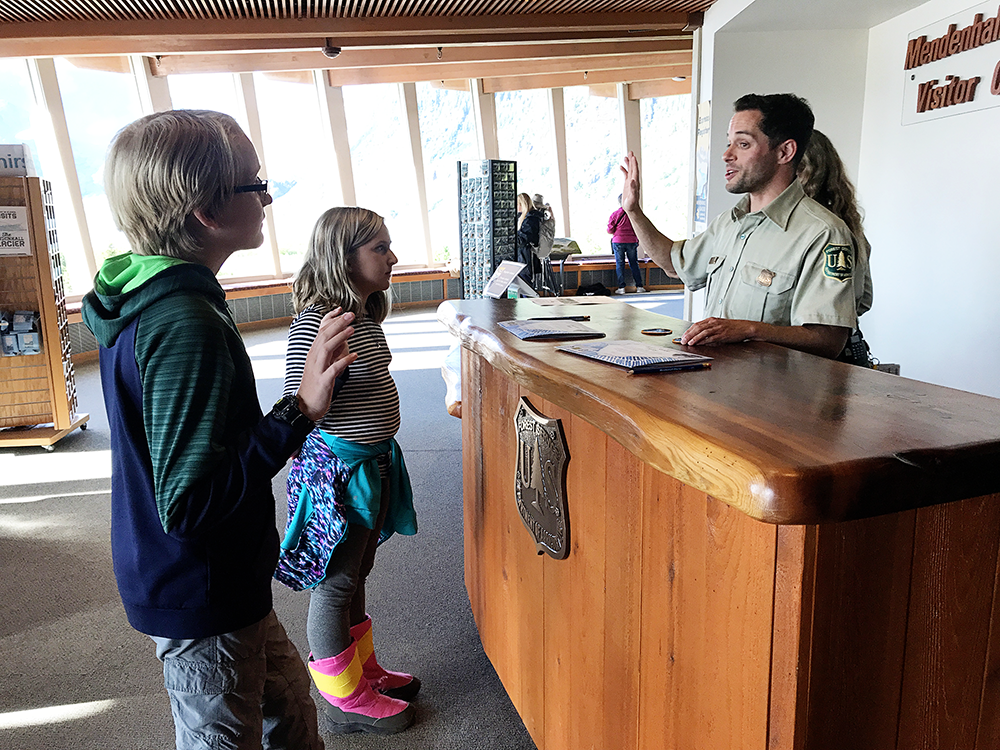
163, 167
324, 278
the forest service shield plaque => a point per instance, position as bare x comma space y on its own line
540, 480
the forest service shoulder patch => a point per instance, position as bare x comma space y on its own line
839, 262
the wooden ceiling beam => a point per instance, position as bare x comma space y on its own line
517, 68
154, 33
177, 45
664, 87
394, 57
494, 85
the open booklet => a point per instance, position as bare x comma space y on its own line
639, 356
550, 330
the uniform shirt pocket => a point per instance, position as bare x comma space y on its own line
764, 294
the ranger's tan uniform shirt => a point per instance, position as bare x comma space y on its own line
790, 264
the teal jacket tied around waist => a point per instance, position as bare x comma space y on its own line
334, 482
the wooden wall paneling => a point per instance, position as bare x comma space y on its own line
524, 570
472, 481
623, 553
947, 638
658, 683
574, 597
859, 618
791, 643
724, 588
989, 708
497, 578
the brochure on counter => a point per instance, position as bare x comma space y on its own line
639, 356
559, 301
550, 330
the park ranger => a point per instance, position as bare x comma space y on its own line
779, 267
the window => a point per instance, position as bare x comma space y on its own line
593, 153
303, 179
23, 121
98, 103
447, 128
383, 165
17, 106
214, 91
666, 146
221, 92
525, 135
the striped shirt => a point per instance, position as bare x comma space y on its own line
367, 408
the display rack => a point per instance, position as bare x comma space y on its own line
37, 391
487, 217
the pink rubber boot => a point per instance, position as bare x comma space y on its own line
354, 706
393, 684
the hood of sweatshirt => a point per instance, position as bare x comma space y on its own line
128, 284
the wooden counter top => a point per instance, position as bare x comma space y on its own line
785, 437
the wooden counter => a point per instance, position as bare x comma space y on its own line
779, 552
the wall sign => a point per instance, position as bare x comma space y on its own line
702, 151
953, 66
14, 237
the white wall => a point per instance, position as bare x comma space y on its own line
827, 67
931, 198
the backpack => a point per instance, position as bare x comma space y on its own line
546, 235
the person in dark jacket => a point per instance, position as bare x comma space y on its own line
529, 222
194, 541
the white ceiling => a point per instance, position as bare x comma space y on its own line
791, 15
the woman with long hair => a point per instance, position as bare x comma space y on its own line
824, 179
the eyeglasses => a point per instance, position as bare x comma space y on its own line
255, 187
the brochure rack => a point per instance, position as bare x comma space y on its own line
487, 217
37, 391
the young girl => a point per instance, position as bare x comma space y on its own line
348, 489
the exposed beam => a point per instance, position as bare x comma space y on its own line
334, 118
667, 87
154, 93
557, 80
485, 109
45, 84
629, 120
409, 106
557, 120
109, 44
386, 57
246, 93
679, 63
210, 34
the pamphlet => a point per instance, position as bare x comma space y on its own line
550, 330
639, 356
558, 301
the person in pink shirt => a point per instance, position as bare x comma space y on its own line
625, 245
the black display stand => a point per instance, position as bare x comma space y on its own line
487, 218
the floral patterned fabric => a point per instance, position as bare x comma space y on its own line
317, 487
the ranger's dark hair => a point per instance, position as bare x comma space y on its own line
783, 117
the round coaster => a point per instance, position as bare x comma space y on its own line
657, 331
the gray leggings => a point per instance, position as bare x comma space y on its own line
338, 602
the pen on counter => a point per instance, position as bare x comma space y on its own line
564, 317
